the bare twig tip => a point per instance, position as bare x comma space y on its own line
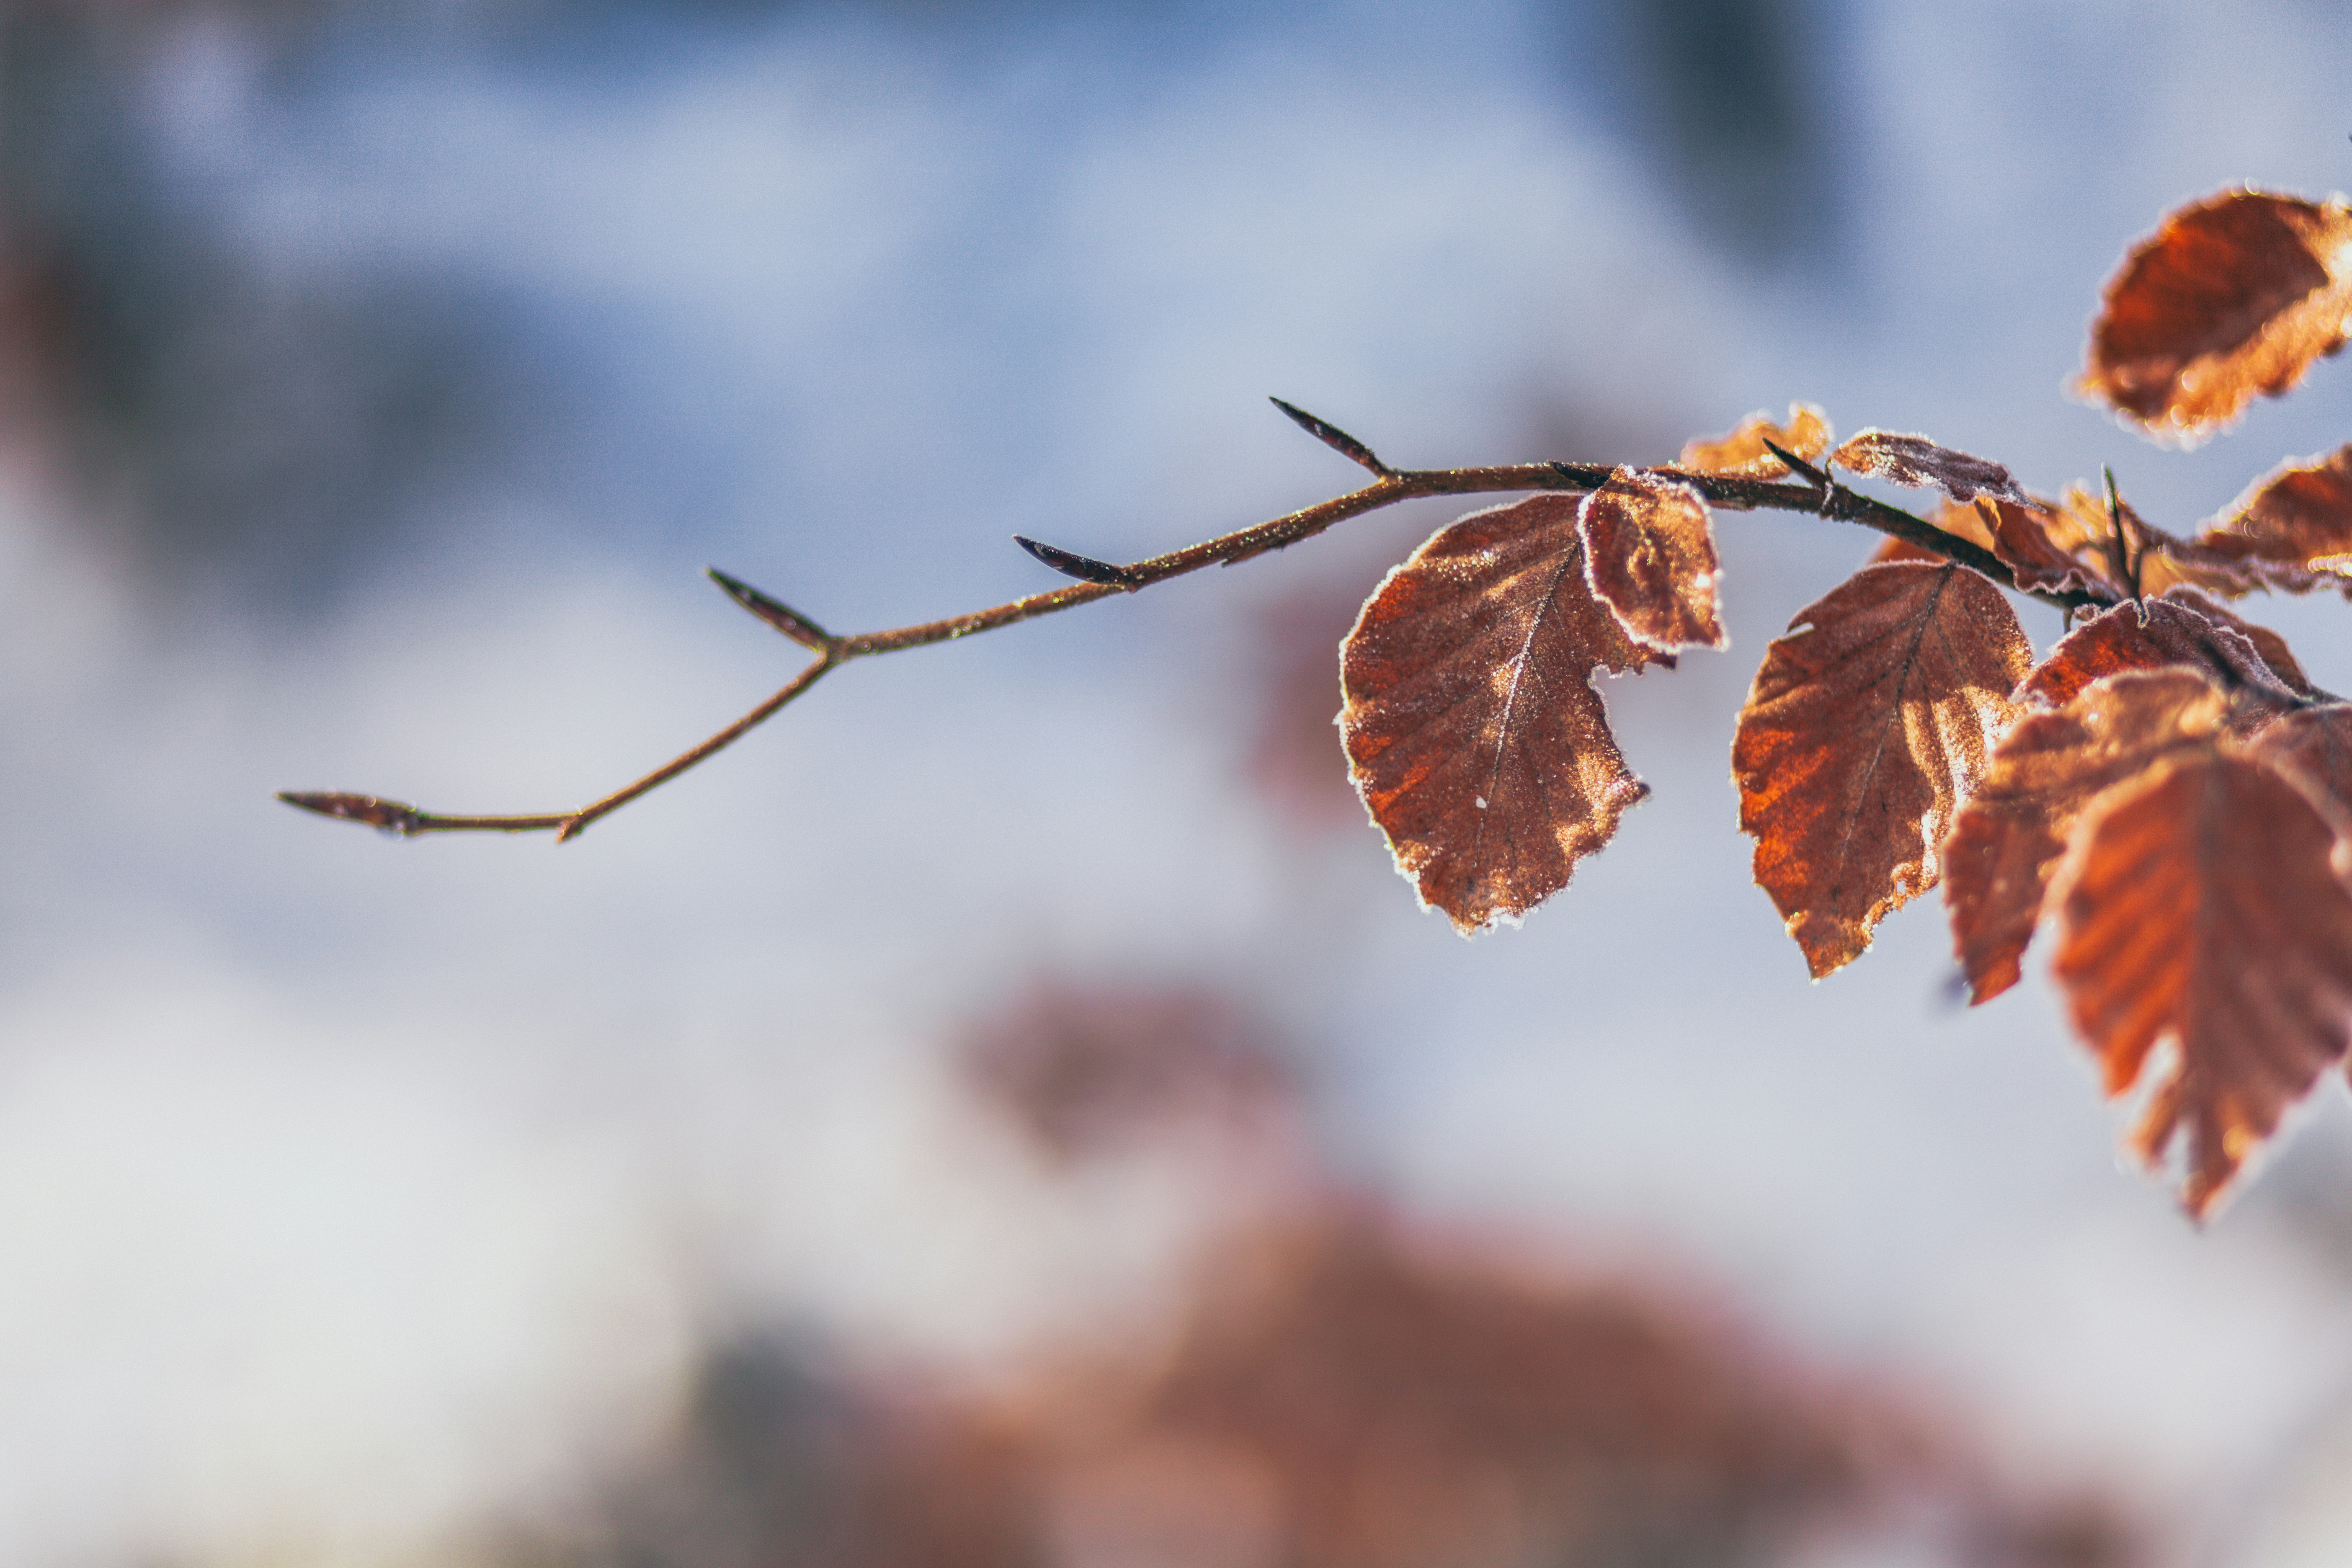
1797, 465
388, 815
775, 612
1331, 436
1084, 568
2128, 562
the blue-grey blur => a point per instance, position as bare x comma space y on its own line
376, 379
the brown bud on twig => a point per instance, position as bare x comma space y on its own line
775, 612
1084, 568
1331, 436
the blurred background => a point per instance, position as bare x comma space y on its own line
1008, 1111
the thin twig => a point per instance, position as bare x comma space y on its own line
1821, 494
2128, 561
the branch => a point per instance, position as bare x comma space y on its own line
1823, 496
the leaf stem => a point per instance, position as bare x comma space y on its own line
1821, 495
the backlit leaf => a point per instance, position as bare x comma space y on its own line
2234, 296
1649, 555
1868, 725
2183, 627
2315, 747
2299, 516
1963, 521
2043, 549
2200, 904
2008, 838
2156, 560
2169, 560
1805, 434
1917, 461
1473, 730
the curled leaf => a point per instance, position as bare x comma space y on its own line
2234, 296
1868, 725
1743, 452
2299, 517
2183, 627
2043, 549
1649, 555
2166, 560
2009, 837
2200, 904
1473, 730
1917, 462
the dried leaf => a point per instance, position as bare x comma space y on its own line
1953, 518
2232, 296
1473, 730
2150, 557
1649, 555
1742, 453
2008, 838
1864, 731
2298, 517
2039, 545
2170, 560
2183, 627
2200, 904
1917, 461
2277, 658
2314, 746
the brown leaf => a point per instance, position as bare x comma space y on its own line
2147, 554
1862, 734
1473, 730
2040, 546
1917, 461
2183, 627
2234, 295
1649, 555
2006, 839
2200, 904
1953, 518
1806, 433
2298, 517
2314, 746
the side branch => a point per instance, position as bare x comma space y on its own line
1823, 496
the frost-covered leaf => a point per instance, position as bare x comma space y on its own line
2314, 746
1473, 730
2010, 835
1805, 433
2234, 296
2043, 549
1649, 555
1868, 725
1917, 461
2201, 904
2181, 627
2298, 517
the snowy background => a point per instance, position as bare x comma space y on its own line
378, 380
